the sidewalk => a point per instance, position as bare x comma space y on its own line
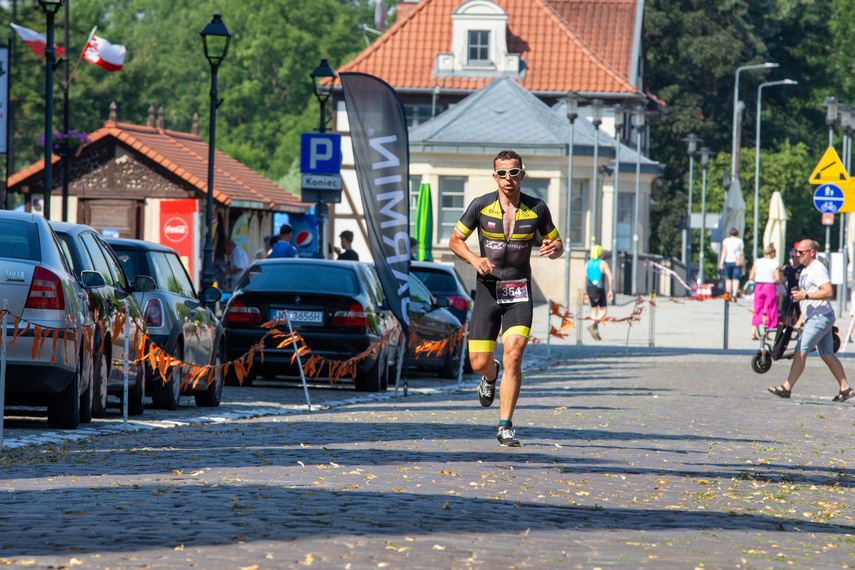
628, 461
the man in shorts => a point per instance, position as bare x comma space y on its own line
507, 222
596, 273
815, 323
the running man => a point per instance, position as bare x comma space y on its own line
507, 221
596, 271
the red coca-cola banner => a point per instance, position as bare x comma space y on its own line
176, 229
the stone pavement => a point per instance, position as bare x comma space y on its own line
632, 457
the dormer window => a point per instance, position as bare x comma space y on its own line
479, 47
479, 43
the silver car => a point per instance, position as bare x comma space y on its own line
37, 285
179, 321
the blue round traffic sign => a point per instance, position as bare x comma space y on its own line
828, 198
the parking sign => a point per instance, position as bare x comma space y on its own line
320, 153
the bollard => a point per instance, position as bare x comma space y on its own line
299, 361
3, 366
726, 315
651, 331
579, 297
127, 363
462, 355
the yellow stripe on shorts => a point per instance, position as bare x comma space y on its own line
482, 346
520, 330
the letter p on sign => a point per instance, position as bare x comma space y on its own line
320, 153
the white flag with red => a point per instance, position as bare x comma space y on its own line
104, 54
36, 41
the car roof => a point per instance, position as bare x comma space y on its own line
24, 216
433, 266
139, 244
306, 261
69, 228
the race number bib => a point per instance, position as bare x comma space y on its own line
511, 291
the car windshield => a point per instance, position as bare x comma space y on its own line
20, 240
297, 277
436, 280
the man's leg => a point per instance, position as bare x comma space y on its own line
796, 369
482, 364
836, 368
509, 390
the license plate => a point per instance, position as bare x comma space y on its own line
301, 317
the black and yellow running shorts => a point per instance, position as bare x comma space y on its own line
488, 316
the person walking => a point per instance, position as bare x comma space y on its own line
731, 261
766, 276
596, 271
815, 324
507, 221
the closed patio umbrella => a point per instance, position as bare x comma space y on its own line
733, 212
776, 227
423, 226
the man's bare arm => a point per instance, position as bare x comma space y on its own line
458, 245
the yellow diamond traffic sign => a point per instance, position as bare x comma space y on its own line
829, 170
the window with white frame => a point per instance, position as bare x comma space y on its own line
577, 212
452, 193
625, 212
415, 184
478, 49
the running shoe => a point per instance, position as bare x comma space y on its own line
487, 390
593, 332
506, 437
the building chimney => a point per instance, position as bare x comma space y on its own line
149, 122
194, 129
112, 115
161, 123
404, 6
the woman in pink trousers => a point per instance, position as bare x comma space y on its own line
766, 275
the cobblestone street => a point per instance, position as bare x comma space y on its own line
630, 458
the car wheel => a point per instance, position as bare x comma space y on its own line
64, 407
451, 367
136, 394
86, 397
370, 380
167, 395
210, 398
100, 374
388, 369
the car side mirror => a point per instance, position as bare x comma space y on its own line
144, 284
92, 279
442, 302
211, 295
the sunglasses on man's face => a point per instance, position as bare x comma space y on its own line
514, 172
805, 252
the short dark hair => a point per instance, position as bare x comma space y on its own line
734, 232
346, 235
285, 229
508, 155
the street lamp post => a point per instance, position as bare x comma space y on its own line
733, 167
705, 162
572, 107
847, 125
638, 123
50, 8
215, 40
619, 119
322, 93
757, 158
831, 112
693, 141
597, 115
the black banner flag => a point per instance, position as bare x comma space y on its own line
382, 154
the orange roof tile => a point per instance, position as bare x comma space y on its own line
557, 57
186, 156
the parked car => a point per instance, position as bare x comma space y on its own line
335, 306
37, 284
179, 321
430, 320
444, 281
86, 250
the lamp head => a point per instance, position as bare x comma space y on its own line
639, 116
693, 141
620, 115
706, 153
215, 39
50, 6
831, 106
597, 112
847, 119
322, 91
572, 100
725, 179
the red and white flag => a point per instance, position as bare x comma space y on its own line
36, 41
104, 54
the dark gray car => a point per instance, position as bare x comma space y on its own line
178, 321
